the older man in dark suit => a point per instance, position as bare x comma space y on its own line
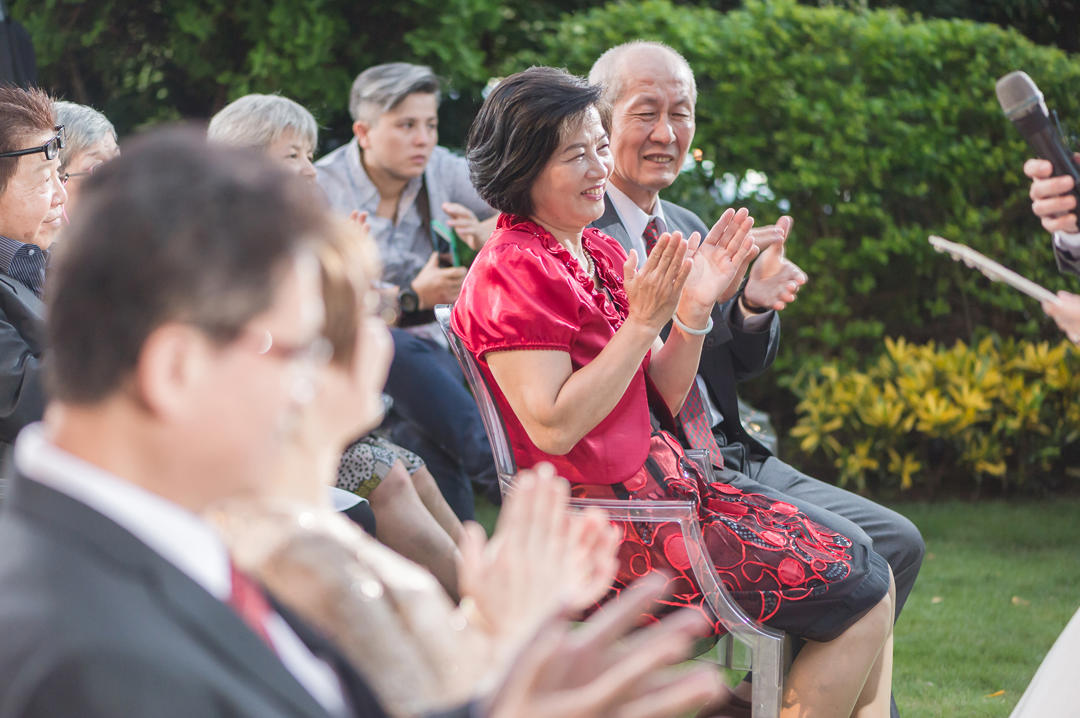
648, 109
31, 212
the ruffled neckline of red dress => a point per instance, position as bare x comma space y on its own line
614, 309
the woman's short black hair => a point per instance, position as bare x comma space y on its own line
517, 130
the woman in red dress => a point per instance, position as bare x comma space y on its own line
566, 330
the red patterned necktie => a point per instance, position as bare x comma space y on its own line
695, 424
249, 601
650, 235
692, 417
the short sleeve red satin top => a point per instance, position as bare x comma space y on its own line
526, 291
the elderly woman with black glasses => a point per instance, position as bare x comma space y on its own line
90, 141
31, 214
566, 329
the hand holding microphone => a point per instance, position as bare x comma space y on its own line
1055, 186
1053, 199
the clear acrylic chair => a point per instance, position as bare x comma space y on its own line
764, 651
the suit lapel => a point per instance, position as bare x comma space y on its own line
358, 693
610, 224
205, 618
224, 632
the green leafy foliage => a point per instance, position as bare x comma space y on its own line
159, 60
150, 61
1003, 410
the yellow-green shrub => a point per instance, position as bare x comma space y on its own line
921, 414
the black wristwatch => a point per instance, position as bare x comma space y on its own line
749, 308
408, 300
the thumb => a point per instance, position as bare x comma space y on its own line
470, 560
694, 243
433, 260
629, 268
784, 223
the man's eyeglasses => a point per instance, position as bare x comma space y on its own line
315, 352
50, 149
305, 359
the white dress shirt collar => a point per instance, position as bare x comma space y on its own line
634, 219
174, 533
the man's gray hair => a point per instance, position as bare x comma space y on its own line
83, 128
259, 120
605, 72
380, 88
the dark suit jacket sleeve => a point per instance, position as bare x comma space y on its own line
22, 396
105, 685
752, 352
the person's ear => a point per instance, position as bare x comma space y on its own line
171, 363
362, 132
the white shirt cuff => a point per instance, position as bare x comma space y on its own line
1069, 241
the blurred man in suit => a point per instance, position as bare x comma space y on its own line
183, 318
648, 101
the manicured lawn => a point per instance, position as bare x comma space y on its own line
1000, 581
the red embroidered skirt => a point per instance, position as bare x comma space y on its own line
782, 568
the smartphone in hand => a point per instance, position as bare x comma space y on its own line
461, 254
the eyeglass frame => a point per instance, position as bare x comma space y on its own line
316, 352
65, 177
56, 142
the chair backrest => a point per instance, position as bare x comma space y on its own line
489, 410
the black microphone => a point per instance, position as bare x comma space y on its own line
1023, 104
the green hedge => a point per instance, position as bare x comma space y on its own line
878, 129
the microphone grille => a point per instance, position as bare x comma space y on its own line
1017, 93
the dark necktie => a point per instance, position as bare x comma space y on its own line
692, 417
249, 602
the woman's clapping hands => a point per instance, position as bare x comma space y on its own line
654, 290
542, 560
719, 262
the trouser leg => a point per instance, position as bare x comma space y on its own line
892, 536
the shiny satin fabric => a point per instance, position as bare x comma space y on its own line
525, 291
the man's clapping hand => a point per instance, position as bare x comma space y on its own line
774, 280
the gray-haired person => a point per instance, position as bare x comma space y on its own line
407, 509
281, 127
394, 170
90, 141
